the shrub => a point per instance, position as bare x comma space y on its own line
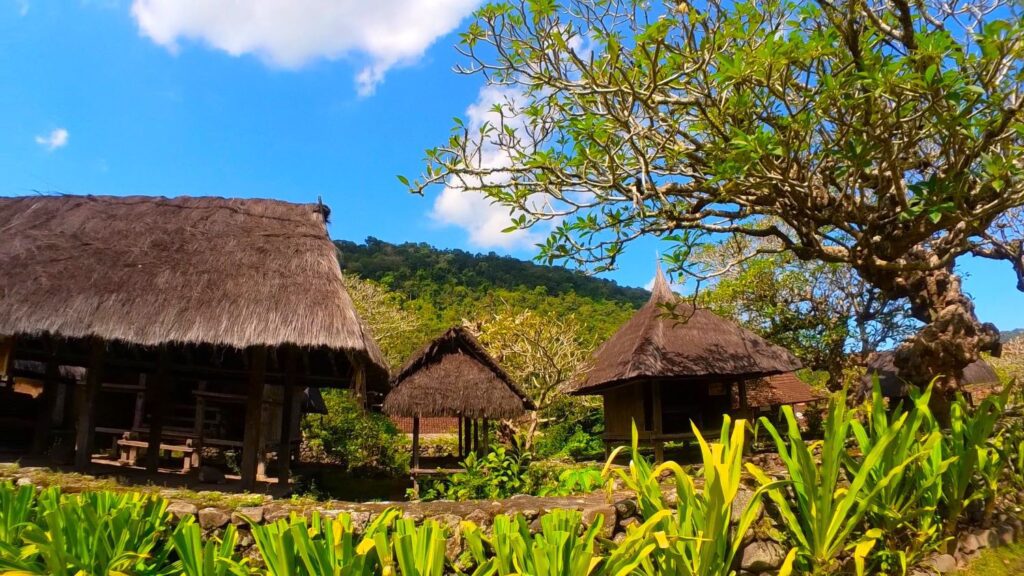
364, 442
571, 427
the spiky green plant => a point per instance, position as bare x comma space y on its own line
824, 518
558, 549
297, 547
412, 550
696, 537
904, 509
215, 557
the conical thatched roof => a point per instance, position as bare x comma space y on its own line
689, 344
151, 271
454, 376
883, 364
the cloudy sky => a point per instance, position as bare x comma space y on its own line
288, 99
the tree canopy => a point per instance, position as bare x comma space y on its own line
880, 135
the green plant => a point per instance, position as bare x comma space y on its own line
414, 550
17, 504
696, 537
500, 473
364, 442
558, 550
966, 442
295, 547
904, 508
91, 533
215, 557
826, 518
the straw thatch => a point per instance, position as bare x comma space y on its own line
779, 390
882, 364
689, 344
454, 376
150, 271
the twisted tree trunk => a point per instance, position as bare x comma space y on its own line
952, 336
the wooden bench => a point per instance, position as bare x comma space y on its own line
129, 447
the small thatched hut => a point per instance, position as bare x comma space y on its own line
980, 378
453, 376
671, 364
198, 321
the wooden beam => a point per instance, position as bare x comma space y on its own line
358, 379
658, 415
476, 437
47, 401
284, 451
415, 442
156, 402
86, 419
486, 435
251, 445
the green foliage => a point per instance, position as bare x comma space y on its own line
90, 533
364, 442
572, 427
558, 550
500, 473
827, 519
215, 557
295, 547
413, 550
696, 537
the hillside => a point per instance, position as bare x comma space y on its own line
410, 268
428, 290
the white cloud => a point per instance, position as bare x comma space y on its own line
291, 33
58, 138
469, 209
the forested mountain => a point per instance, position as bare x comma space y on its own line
419, 269
422, 291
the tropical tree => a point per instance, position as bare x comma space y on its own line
396, 330
883, 135
541, 352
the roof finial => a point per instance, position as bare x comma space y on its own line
661, 291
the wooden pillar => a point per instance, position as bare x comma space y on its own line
251, 445
658, 413
284, 451
358, 379
156, 401
47, 401
86, 418
744, 406
476, 437
416, 442
486, 435
460, 436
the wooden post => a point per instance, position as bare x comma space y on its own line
253, 417
476, 436
199, 426
156, 401
460, 436
284, 451
416, 442
659, 444
358, 379
486, 435
47, 401
744, 406
86, 420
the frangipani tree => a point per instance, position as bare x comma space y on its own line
883, 135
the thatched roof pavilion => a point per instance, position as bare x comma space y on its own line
200, 289
977, 376
779, 390
453, 376
672, 363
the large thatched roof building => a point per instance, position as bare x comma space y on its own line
453, 376
226, 294
672, 363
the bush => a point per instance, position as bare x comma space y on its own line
365, 443
573, 427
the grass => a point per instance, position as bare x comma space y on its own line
1003, 561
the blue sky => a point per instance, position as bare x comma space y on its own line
288, 99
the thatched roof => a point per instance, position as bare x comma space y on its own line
150, 271
883, 364
689, 344
453, 376
779, 390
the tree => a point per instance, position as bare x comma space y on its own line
882, 135
824, 313
398, 332
541, 353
